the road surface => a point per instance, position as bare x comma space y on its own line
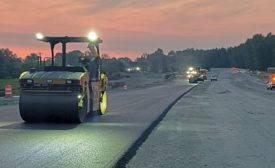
99, 142
223, 124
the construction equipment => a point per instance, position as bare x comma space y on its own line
270, 83
193, 75
196, 74
203, 73
64, 93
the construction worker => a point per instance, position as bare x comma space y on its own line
91, 62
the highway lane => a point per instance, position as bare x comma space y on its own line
99, 142
228, 123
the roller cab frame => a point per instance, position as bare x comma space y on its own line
63, 93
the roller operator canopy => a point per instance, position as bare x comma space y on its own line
67, 39
92, 39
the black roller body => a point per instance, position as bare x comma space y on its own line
50, 106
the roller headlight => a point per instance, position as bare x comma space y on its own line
92, 36
39, 36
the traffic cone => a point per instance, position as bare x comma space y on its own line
8, 91
125, 87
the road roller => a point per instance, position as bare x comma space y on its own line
64, 93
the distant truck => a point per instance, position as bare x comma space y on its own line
203, 74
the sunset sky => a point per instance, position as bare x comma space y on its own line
132, 27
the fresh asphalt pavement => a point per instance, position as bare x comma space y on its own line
99, 142
228, 123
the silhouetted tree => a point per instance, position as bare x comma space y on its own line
10, 65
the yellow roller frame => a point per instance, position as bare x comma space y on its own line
22, 74
103, 102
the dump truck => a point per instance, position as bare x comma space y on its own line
64, 93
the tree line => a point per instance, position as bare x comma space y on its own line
256, 53
11, 66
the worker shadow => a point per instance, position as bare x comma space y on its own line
40, 126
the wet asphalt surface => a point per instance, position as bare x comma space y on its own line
99, 142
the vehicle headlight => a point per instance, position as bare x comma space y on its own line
69, 81
29, 81
72, 82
